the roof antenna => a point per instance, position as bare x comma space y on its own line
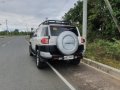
46, 18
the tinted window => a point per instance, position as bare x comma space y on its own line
34, 35
56, 30
44, 31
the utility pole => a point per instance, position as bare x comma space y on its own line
84, 28
0, 24
32, 30
27, 29
6, 25
112, 14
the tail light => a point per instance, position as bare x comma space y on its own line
44, 40
82, 40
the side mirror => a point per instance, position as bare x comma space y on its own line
31, 34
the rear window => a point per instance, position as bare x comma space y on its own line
44, 31
56, 30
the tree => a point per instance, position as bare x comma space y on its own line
100, 23
16, 30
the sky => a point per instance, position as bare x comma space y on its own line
26, 14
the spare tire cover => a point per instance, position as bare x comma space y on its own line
67, 42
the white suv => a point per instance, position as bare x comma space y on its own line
56, 40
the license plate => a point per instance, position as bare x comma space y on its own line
68, 57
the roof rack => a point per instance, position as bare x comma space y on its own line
47, 22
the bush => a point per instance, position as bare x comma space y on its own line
104, 51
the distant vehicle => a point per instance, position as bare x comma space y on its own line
56, 40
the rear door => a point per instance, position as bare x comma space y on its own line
55, 31
33, 41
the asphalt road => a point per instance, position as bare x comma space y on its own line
18, 71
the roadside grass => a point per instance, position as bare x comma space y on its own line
105, 52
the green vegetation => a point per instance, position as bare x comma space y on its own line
15, 32
103, 43
105, 52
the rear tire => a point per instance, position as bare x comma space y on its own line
39, 61
30, 51
75, 61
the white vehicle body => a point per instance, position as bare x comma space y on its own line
57, 41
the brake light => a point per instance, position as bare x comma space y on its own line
82, 40
44, 41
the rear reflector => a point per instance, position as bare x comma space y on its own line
82, 40
44, 41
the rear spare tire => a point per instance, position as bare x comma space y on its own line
67, 43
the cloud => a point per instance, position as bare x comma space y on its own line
20, 13
18, 21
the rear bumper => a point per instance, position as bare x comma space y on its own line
53, 50
59, 57
47, 55
52, 53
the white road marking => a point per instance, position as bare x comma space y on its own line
61, 77
27, 42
